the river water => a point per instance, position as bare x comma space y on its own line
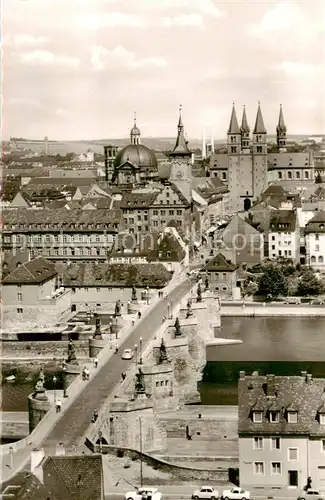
289, 341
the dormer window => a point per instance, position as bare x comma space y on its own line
274, 417
257, 417
322, 418
292, 417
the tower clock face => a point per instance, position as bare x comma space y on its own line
180, 174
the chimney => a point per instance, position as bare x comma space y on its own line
242, 375
106, 162
270, 386
36, 458
309, 378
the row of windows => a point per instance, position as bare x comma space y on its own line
59, 226
290, 176
170, 212
61, 238
282, 234
320, 259
274, 417
276, 468
285, 253
74, 251
162, 383
286, 242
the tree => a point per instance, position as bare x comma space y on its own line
310, 285
273, 282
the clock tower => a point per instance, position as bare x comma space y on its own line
181, 156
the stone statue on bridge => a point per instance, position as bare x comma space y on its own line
206, 283
189, 311
97, 333
39, 388
134, 297
139, 382
199, 293
162, 353
72, 358
41, 375
177, 327
118, 308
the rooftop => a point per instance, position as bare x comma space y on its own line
219, 264
283, 221
35, 271
268, 393
316, 224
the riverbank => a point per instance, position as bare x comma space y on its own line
256, 309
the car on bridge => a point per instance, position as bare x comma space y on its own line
127, 354
206, 492
235, 494
144, 494
310, 494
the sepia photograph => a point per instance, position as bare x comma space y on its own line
162, 250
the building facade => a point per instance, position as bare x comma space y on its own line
281, 431
315, 242
284, 235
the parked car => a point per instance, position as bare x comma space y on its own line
292, 300
312, 494
127, 354
236, 494
144, 494
318, 302
206, 492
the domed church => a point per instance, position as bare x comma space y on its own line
135, 163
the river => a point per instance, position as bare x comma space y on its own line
295, 344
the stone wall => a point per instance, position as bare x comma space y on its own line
48, 349
209, 428
15, 428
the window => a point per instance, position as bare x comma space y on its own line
292, 454
178, 212
317, 248
322, 445
155, 223
274, 417
19, 297
98, 290
306, 175
280, 175
85, 289
292, 417
298, 175
322, 419
289, 175
276, 468
273, 238
273, 247
19, 310
162, 212
171, 212
224, 176
259, 468
257, 416
275, 443
316, 236
258, 443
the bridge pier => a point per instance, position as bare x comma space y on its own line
96, 346
38, 406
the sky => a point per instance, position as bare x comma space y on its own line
78, 69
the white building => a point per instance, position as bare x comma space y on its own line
284, 235
281, 431
315, 242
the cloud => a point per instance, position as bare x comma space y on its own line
206, 7
111, 20
102, 58
213, 73
292, 68
285, 20
26, 39
47, 58
184, 20
23, 101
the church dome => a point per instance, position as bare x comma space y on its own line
138, 155
135, 130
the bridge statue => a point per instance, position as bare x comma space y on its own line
206, 283
139, 382
177, 327
189, 311
199, 293
162, 353
134, 297
41, 375
72, 358
39, 393
118, 308
97, 333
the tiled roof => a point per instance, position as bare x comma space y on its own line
283, 221
304, 394
177, 188
138, 199
169, 250
10, 260
219, 161
74, 477
114, 275
289, 160
62, 181
219, 263
164, 170
316, 224
23, 220
33, 272
26, 486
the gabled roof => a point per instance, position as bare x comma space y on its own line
283, 221
219, 263
26, 486
35, 271
138, 199
74, 477
303, 394
259, 127
21, 199
168, 249
316, 224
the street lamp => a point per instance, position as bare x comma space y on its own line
147, 289
136, 355
140, 345
140, 436
54, 384
100, 439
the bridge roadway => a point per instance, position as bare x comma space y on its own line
73, 424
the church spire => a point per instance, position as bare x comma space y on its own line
244, 131
259, 123
281, 132
135, 131
244, 124
233, 126
181, 148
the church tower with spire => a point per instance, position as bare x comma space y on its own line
281, 133
135, 132
181, 156
233, 136
244, 132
